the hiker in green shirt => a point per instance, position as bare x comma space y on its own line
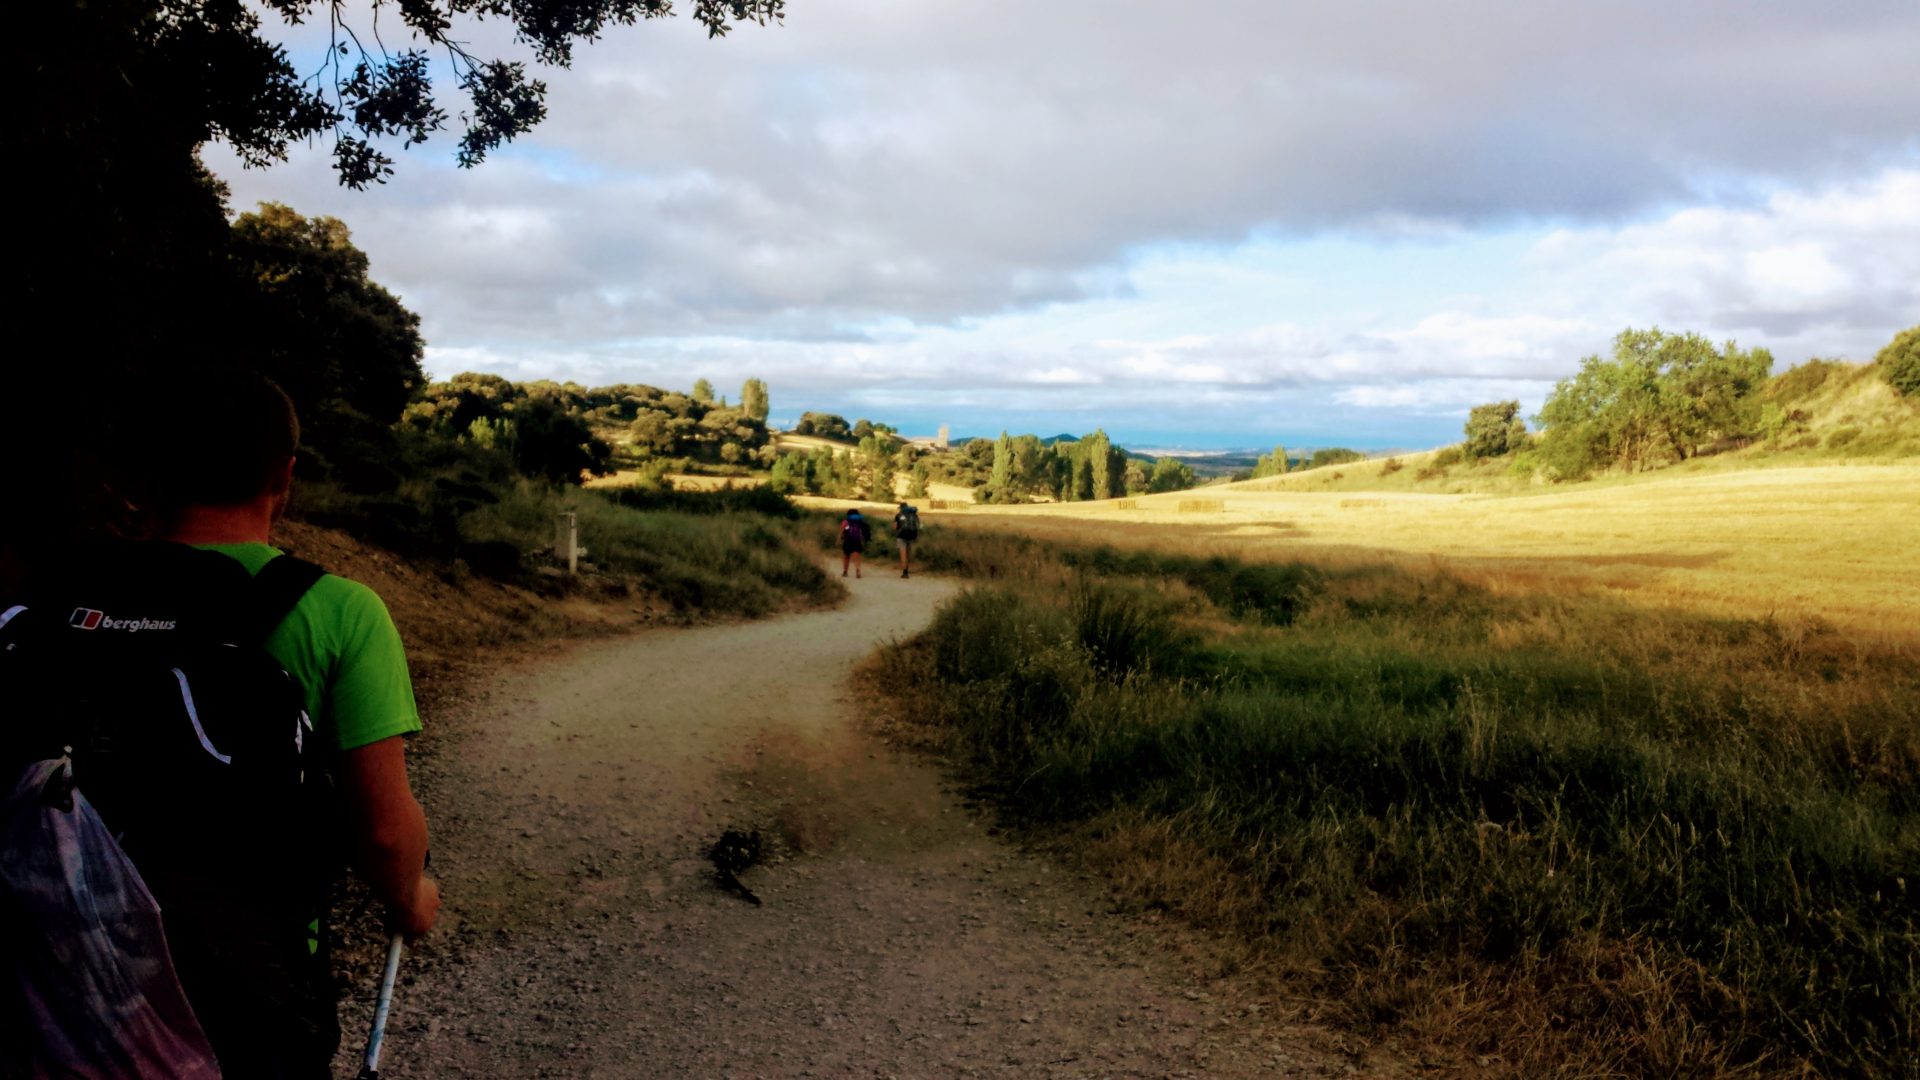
221, 475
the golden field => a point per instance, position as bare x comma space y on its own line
1837, 542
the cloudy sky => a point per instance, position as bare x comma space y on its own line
1216, 223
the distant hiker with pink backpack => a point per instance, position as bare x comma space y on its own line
854, 534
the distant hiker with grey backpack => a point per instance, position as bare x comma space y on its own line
906, 533
200, 730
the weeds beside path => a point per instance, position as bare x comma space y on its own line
583, 936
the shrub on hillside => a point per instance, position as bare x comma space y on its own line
1334, 455
1495, 429
1899, 362
1170, 474
1449, 456
1274, 464
1391, 465
1800, 380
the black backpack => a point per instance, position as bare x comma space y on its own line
194, 745
909, 524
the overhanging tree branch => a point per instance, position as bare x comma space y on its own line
250, 96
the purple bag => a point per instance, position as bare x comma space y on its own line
83, 936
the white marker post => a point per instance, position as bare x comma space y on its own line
566, 542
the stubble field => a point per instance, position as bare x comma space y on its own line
1837, 542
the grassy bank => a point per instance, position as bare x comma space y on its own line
727, 552
1541, 828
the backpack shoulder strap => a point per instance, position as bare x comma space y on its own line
277, 588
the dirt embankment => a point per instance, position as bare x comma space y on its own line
573, 788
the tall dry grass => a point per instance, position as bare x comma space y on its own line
1536, 828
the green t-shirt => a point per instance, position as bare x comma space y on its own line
342, 646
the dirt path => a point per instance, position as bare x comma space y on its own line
585, 936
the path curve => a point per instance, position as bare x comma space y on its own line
584, 936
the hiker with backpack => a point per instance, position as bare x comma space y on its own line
217, 726
906, 530
854, 534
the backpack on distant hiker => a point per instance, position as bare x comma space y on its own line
853, 530
909, 527
164, 773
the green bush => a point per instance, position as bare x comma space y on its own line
1494, 429
1800, 381
1449, 456
1899, 362
1334, 455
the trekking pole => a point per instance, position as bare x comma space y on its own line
370, 1067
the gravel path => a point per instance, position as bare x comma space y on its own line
584, 935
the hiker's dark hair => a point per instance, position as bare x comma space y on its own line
213, 438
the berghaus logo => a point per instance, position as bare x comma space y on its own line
91, 619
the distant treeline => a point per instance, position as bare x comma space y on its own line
866, 470
1023, 468
559, 431
1009, 469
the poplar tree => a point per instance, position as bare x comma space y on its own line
1001, 486
753, 400
1099, 464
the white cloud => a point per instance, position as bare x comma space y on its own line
1444, 397
1833, 269
959, 202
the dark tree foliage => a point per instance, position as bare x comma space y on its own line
824, 425
207, 67
450, 408
551, 444
128, 234
341, 345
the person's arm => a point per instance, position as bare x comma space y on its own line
387, 833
